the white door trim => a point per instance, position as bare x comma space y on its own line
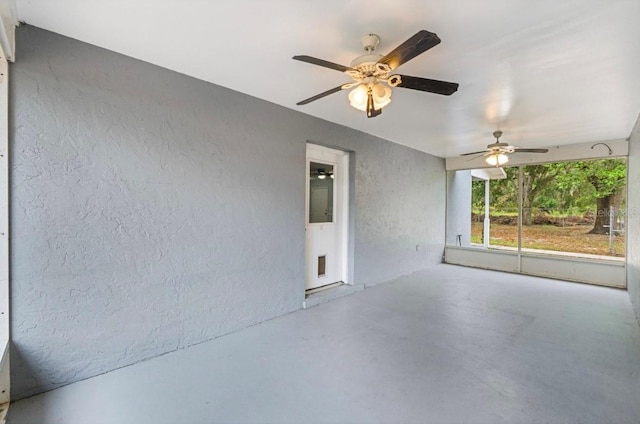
342, 206
344, 215
4, 236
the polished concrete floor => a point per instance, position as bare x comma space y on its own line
447, 345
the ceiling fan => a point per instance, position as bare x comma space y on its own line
497, 153
322, 173
372, 73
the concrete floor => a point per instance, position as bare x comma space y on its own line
447, 345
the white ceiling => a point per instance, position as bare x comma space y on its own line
547, 72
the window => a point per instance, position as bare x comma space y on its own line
320, 193
574, 208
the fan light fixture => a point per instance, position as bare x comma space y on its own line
322, 174
497, 159
359, 96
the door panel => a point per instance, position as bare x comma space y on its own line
324, 221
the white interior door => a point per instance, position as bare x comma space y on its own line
326, 208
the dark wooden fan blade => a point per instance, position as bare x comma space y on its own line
474, 153
372, 112
429, 85
419, 43
319, 96
531, 150
320, 62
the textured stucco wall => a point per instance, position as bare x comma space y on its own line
399, 209
152, 211
633, 219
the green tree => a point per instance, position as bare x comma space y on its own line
536, 179
601, 180
504, 192
579, 186
477, 196
609, 178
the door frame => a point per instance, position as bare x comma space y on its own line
5, 378
341, 210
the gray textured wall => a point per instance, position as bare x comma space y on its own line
151, 211
633, 219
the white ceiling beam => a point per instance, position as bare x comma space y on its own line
569, 152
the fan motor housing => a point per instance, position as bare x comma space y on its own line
366, 63
366, 59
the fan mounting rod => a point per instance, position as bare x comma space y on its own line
370, 42
497, 134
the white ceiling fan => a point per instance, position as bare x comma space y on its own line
373, 77
497, 154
